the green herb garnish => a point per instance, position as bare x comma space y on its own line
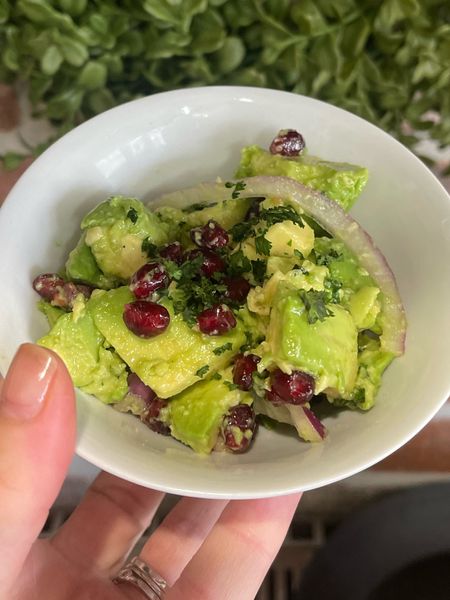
315, 305
221, 349
148, 248
259, 268
202, 371
237, 186
262, 245
231, 386
216, 375
132, 215
197, 206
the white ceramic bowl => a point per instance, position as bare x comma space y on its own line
171, 140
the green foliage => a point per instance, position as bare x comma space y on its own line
388, 61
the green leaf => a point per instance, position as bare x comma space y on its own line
221, 349
93, 75
12, 160
315, 306
230, 55
65, 104
202, 371
262, 245
51, 60
74, 52
4, 11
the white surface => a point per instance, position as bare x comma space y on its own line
175, 139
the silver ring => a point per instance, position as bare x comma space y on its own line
140, 574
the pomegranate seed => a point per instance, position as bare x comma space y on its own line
211, 236
137, 387
238, 427
216, 320
146, 319
172, 252
255, 209
296, 388
237, 289
212, 262
58, 292
288, 142
243, 370
151, 416
149, 278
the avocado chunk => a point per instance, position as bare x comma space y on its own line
82, 266
94, 367
115, 231
195, 415
372, 363
169, 362
51, 312
341, 182
341, 263
326, 349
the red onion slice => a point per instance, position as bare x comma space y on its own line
308, 426
334, 220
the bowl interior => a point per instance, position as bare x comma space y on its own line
172, 140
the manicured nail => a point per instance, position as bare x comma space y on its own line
27, 382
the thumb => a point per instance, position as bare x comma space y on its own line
37, 437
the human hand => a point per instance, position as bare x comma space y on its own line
204, 549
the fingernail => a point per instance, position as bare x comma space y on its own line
27, 382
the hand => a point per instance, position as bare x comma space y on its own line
205, 549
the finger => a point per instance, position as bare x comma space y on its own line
37, 438
180, 535
106, 525
237, 554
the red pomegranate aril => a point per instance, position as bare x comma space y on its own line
211, 262
243, 370
288, 142
211, 236
47, 284
238, 428
237, 289
146, 319
216, 320
172, 252
295, 388
148, 279
151, 416
137, 387
58, 292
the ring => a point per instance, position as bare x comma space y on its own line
140, 574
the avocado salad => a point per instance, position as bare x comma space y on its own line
230, 304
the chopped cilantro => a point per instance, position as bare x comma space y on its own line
315, 305
326, 259
249, 342
221, 349
197, 206
189, 269
231, 386
202, 371
237, 187
298, 254
238, 263
149, 248
132, 215
216, 376
289, 243
241, 231
278, 214
332, 288
259, 270
263, 245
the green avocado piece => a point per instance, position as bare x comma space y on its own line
171, 361
326, 349
94, 368
342, 182
51, 312
365, 307
82, 266
343, 266
115, 230
372, 363
195, 415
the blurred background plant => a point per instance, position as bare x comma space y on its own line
385, 60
